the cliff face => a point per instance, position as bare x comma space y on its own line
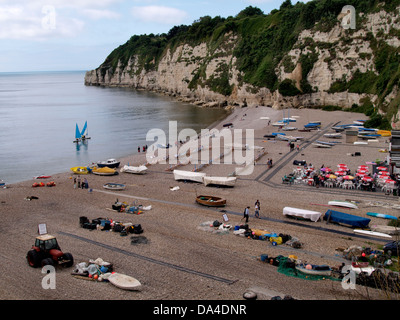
335, 65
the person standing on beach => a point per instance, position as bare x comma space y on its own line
257, 209
79, 182
246, 214
74, 183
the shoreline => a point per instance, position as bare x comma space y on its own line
174, 229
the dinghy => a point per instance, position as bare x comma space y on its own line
189, 176
124, 281
340, 203
80, 170
220, 181
135, 170
114, 186
211, 201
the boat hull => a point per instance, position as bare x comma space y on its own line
114, 186
211, 201
134, 170
189, 176
220, 181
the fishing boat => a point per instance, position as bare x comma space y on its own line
2, 183
312, 269
114, 186
211, 201
189, 176
220, 181
80, 170
110, 163
104, 171
341, 203
135, 170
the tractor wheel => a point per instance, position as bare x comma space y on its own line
47, 262
33, 258
68, 256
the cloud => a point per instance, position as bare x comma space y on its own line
45, 19
31, 22
159, 14
97, 14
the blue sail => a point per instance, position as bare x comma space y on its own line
77, 132
83, 133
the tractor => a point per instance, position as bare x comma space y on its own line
46, 251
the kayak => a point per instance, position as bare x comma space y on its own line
381, 215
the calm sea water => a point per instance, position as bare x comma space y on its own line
39, 111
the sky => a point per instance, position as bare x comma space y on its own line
66, 35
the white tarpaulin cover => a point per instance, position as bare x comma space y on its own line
306, 214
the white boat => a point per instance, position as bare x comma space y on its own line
359, 142
135, 170
220, 181
124, 281
333, 135
289, 128
305, 214
372, 233
341, 203
189, 176
320, 145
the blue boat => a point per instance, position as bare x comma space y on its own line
347, 219
312, 125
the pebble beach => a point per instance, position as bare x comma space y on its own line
182, 258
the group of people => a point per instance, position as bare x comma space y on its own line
144, 148
246, 212
81, 184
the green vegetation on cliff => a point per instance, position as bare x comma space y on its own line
262, 42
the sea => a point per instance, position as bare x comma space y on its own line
39, 112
